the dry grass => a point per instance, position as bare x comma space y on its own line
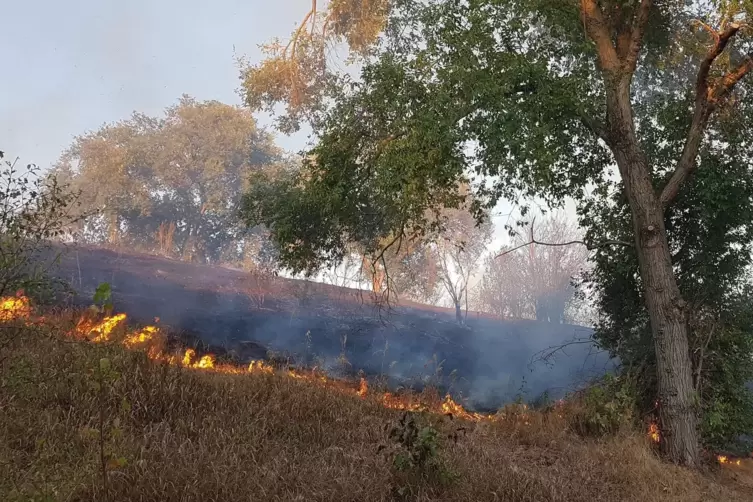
185, 435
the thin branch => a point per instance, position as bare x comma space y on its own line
701, 356
732, 78
590, 247
596, 127
705, 102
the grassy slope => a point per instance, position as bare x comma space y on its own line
191, 435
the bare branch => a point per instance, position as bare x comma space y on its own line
590, 247
733, 77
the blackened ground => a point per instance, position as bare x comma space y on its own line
487, 362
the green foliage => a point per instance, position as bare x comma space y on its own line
607, 407
512, 94
171, 184
710, 234
418, 453
35, 211
103, 298
297, 74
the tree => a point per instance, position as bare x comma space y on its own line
550, 95
458, 250
172, 184
534, 281
296, 73
410, 270
35, 211
711, 253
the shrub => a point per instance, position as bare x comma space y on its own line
605, 407
35, 211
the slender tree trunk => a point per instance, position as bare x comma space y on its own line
113, 229
667, 310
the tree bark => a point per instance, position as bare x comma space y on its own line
667, 310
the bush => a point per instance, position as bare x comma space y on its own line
35, 211
605, 407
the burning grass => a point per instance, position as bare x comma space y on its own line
127, 419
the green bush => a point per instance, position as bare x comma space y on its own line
606, 407
35, 210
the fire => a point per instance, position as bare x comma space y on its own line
363, 388
401, 402
151, 340
260, 367
723, 459
102, 331
189, 355
449, 406
144, 336
14, 307
205, 362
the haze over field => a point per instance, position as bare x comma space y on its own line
476, 183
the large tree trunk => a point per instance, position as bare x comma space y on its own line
667, 310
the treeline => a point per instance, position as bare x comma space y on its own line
174, 185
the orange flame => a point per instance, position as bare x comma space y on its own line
363, 388
14, 307
260, 367
653, 432
151, 340
101, 331
142, 337
723, 459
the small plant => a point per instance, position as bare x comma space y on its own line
417, 454
419, 445
104, 376
102, 299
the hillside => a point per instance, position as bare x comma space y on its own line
87, 422
486, 363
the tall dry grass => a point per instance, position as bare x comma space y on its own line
166, 433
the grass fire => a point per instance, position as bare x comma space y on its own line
122, 414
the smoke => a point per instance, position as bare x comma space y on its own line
486, 363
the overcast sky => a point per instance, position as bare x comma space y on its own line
69, 67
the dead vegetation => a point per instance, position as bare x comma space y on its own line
82, 421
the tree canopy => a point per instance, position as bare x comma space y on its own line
171, 183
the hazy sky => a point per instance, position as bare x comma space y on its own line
69, 67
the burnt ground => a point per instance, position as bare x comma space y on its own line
487, 362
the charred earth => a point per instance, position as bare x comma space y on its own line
485, 363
